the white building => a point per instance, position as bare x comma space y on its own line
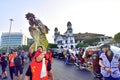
67, 40
70, 40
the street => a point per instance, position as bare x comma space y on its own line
63, 72
69, 72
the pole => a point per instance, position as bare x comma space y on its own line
9, 34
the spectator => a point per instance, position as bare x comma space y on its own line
109, 62
0, 58
18, 66
23, 56
67, 58
4, 65
48, 56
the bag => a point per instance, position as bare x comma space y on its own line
18, 61
43, 71
4, 61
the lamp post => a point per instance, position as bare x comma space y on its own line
9, 34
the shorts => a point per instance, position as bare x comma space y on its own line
18, 70
3, 68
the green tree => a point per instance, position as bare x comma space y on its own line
117, 37
51, 45
91, 41
81, 45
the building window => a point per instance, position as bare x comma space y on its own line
59, 42
66, 42
71, 41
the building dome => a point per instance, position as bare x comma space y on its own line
69, 23
56, 29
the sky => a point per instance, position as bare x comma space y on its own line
94, 16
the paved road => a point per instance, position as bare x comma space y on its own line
69, 72
64, 72
25, 68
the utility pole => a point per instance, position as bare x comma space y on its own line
11, 20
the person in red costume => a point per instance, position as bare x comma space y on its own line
39, 62
48, 56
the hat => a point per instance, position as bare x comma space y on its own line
105, 46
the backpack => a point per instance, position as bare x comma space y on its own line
4, 61
18, 61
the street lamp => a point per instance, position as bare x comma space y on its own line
9, 34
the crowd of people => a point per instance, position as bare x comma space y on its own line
102, 61
15, 60
39, 65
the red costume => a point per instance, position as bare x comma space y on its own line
36, 70
48, 55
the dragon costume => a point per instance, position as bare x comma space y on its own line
38, 32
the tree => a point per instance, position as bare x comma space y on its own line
92, 41
51, 45
117, 37
81, 45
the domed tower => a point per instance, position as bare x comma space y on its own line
69, 28
56, 33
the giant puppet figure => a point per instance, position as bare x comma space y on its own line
38, 32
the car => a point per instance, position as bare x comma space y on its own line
54, 52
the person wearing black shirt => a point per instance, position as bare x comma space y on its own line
4, 65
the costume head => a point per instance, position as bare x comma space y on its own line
30, 15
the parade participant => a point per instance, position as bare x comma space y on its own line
38, 32
0, 57
48, 56
36, 66
0, 60
109, 63
39, 51
18, 66
23, 55
11, 63
4, 65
